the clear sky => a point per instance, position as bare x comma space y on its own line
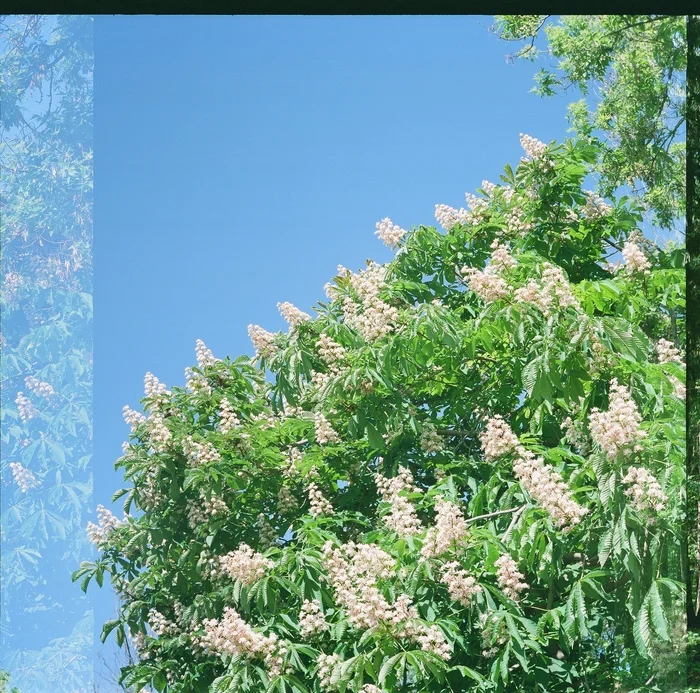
239, 160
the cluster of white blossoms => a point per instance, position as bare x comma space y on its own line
267, 534
552, 292
199, 454
24, 478
199, 512
245, 564
353, 571
494, 634
667, 352
232, 636
644, 490
488, 188
497, 438
635, 259
389, 233
286, 502
535, 150
311, 618
106, 522
205, 356
510, 579
461, 586
152, 387
596, 207
373, 318
488, 284
517, 221
402, 517
547, 487
294, 456
39, 387
324, 432
159, 434
477, 208
227, 417
25, 408
132, 417
292, 314
448, 217
263, 341
318, 504
430, 439
450, 529
678, 387
326, 665
197, 383
330, 352
617, 429
370, 688
160, 625
541, 481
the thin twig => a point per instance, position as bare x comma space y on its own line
496, 513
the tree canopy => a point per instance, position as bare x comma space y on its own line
465, 472
630, 70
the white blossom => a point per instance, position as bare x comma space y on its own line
510, 579
389, 233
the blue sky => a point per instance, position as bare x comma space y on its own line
239, 160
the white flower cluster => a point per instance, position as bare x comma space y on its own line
678, 387
205, 357
159, 434
389, 233
319, 504
371, 688
232, 636
541, 481
461, 586
326, 665
25, 408
330, 351
311, 618
517, 221
245, 564
227, 417
39, 386
617, 430
402, 517
267, 535
477, 208
497, 439
644, 490
448, 217
320, 380
353, 571
107, 522
493, 635
286, 502
132, 417
292, 314
510, 579
488, 284
377, 318
263, 341
635, 259
294, 456
197, 383
450, 529
535, 150
488, 188
161, 625
153, 387
548, 489
552, 292
199, 454
596, 207
430, 439
24, 478
324, 431
667, 352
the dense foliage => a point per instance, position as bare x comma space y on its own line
46, 342
467, 472
631, 72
